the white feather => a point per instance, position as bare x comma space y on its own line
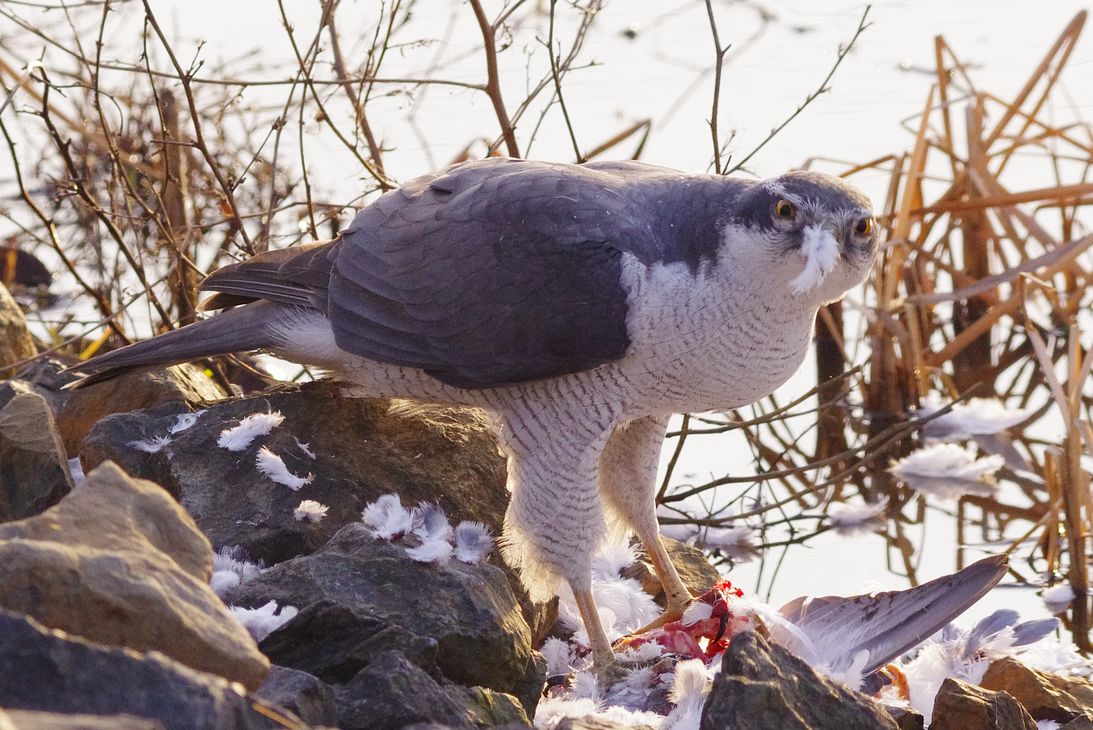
431, 551
150, 446
947, 471
75, 468
184, 421
977, 417
851, 519
306, 448
223, 581
559, 659
612, 558
473, 542
264, 620
689, 689
640, 654
387, 518
239, 437
230, 568
733, 536
1057, 598
310, 510
430, 523
697, 611
274, 467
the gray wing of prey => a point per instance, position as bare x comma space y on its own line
493, 272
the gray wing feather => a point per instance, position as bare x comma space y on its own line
888, 624
504, 271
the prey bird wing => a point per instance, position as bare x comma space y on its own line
836, 630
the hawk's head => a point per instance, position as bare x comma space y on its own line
811, 232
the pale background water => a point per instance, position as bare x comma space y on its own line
882, 82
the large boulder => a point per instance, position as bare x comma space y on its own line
82, 408
1044, 696
393, 692
33, 467
45, 670
76, 411
309, 698
119, 562
30, 720
963, 706
360, 597
363, 448
765, 687
16, 344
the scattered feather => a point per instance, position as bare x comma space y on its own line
310, 510
612, 558
238, 438
689, 689
184, 422
947, 471
431, 551
150, 446
430, 523
387, 518
230, 568
551, 711
977, 417
1058, 598
851, 519
223, 581
821, 252
264, 620
473, 542
559, 659
736, 541
274, 467
697, 611
75, 469
305, 448
682, 532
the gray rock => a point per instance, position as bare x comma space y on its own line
299, 692
33, 466
26, 720
119, 562
906, 718
963, 706
468, 610
362, 450
46, 670
393, 692
81, 409
592, 723
764, 687
15, 341
334, 641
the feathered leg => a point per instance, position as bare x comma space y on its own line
554, 521
628, 469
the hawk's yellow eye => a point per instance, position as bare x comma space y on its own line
864, 227
785, 209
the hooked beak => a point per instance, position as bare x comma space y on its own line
820, 250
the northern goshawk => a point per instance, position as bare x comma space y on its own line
581, 304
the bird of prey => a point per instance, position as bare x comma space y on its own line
582, 305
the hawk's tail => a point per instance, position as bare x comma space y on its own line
235, 330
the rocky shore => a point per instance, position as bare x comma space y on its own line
172, 557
